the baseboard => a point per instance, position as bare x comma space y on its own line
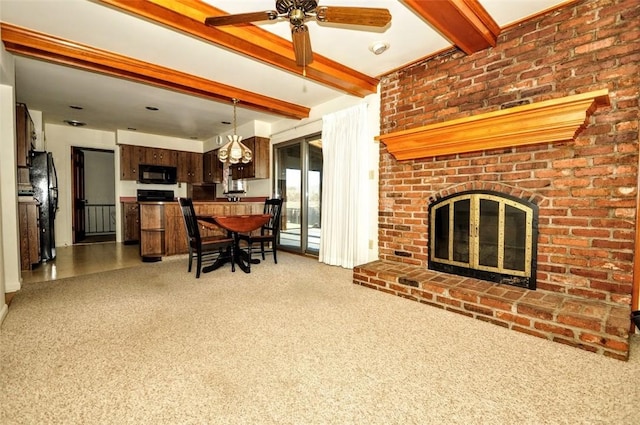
4, 312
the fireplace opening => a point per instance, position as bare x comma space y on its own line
486, 235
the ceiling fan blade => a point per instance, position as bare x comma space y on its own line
302, 45
241, 18
367, 16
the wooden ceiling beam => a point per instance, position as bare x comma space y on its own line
30, 43
463, 22
188, 17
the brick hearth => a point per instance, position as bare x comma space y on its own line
586, 188
592, 325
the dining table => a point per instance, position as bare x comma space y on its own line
234, 225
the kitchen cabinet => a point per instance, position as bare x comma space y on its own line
29, 226
130, 159
131, 222
190, 167
194, 167
175, 232
25, 135
132, 156
212, 167
158, 156
259, 167
152, 246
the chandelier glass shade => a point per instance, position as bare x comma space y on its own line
234, 151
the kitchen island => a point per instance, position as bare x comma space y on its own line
162, 231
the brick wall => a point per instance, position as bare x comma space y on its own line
586, 189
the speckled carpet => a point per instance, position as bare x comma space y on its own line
293, 343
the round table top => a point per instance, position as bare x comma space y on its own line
242, 223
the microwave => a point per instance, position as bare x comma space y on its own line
157, 174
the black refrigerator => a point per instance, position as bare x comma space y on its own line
45, 190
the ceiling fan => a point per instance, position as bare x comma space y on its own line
299, 11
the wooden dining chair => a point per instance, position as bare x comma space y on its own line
268, 232
199, 247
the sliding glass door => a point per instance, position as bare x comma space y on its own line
298, 173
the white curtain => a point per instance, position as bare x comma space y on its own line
346, 146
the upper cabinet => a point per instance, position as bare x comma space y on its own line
212, 167
195, 167
157, 156
189, 167
188, 164
25, 135
130, 158
258, 168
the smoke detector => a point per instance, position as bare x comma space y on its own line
379, 47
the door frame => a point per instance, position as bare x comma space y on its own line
74, 198
303, 142
78, 200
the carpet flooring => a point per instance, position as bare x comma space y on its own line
292, 343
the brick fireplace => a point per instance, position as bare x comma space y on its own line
584, 186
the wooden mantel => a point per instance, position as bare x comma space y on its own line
549, 121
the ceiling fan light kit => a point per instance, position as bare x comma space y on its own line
234, 151
297, 12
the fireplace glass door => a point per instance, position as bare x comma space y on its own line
486, 235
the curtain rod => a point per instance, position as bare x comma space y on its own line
302, 125
296, 127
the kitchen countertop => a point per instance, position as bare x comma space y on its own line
258, 199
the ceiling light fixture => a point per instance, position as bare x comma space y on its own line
379, 47
234, 151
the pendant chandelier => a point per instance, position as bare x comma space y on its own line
234, 151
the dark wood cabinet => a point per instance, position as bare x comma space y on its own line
131, 222
29, 211
130, 159
195, 167
258, 168
212, 167
190, 167
189, 164
184, 166
158, 156
25, 135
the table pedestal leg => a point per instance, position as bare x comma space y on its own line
222, 259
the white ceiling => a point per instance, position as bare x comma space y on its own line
110, 103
